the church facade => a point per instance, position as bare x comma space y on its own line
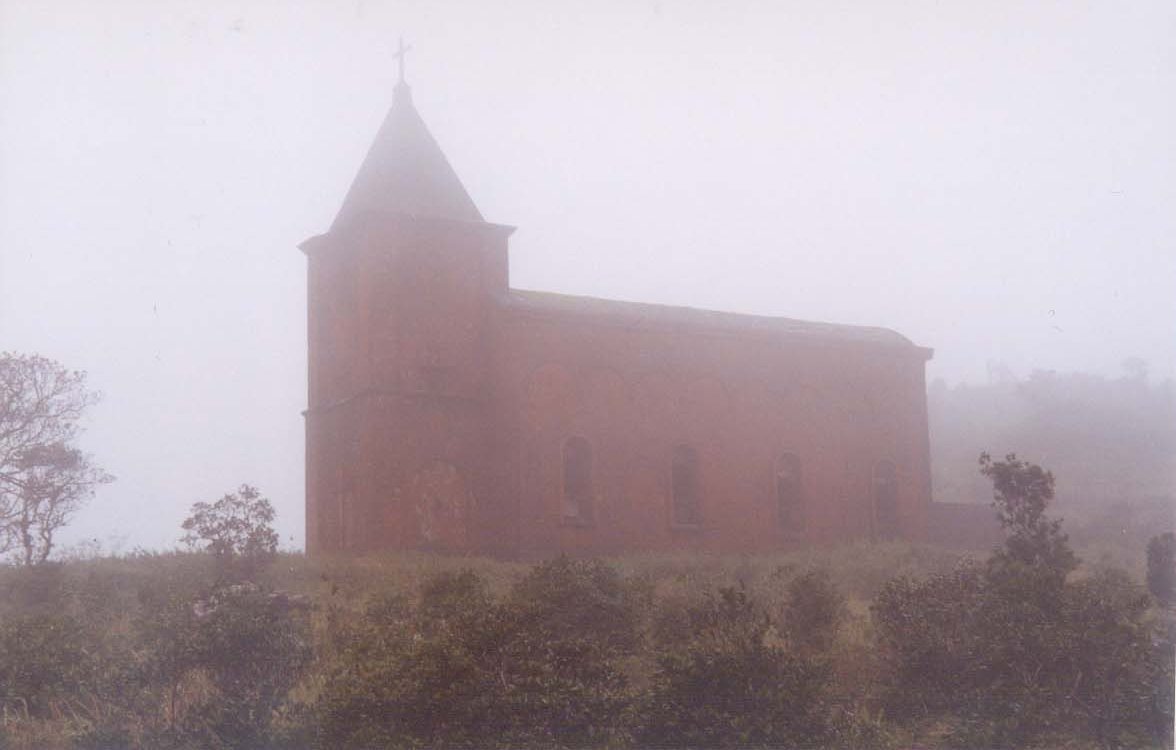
450, 412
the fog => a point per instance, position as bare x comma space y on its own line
994, 180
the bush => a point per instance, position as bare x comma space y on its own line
732, 684
461, 670
1013, 653
924, 633
572, 624
225, 663
1113, 674
42, 662
1161, 568
813, 613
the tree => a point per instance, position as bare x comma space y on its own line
44, 477
236, 530
1013, 653
1021, 492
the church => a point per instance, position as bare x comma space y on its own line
450, 412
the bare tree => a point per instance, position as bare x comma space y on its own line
44, 478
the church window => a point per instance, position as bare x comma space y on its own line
789, 501
886, 500
685, 488
577, 479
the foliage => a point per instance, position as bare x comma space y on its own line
924, 630
1013, 653
41, 661
1119, 674
226, 663
44, 478
572, 623
237, 530
813, 613
1021, 492
731, 683
1161, 568
148, 651
460, 670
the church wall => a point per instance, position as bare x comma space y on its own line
440, 411
397, 429
739, 401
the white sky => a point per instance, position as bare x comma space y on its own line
996, 180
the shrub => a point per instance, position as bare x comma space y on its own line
732, 684
541, 668
925, 636
225, 663
572, 623
1161, 568
1112, 672
813, 613
42, 662
1012, 653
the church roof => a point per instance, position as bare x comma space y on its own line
406, 172
636, 315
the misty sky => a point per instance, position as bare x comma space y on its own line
995, 180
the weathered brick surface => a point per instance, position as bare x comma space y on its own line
441, 400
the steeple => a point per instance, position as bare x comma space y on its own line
405, 171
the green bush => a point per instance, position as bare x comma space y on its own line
1117, 673
925, 636
1161, 568
224, 664
541, 668
42, 661
1014, 653
731, 684
813, 612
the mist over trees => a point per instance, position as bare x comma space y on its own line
1111, 441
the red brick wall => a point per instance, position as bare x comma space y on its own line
739, 401
438, 413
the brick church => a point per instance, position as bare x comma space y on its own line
451, 412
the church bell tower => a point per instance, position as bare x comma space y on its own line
401, 300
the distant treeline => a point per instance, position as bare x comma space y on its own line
1111, 442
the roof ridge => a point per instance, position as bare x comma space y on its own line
587, 305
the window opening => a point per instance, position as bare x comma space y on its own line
577, 479
686, 493
789, 501
886, 500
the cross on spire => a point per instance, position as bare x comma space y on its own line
399, 54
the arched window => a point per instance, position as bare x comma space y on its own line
789, 500
577, 479
687, 501
886, 500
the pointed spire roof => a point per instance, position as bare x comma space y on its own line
406, 172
